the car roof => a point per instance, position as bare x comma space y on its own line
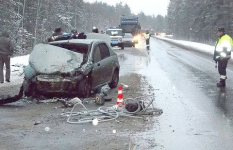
114, 29
77, 41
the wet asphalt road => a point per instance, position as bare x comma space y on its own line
197, 115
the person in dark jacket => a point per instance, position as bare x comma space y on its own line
6, 51
95, 30
58, 31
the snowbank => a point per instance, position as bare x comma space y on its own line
21, 60
18, 63
189, 45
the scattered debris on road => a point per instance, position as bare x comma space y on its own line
131, 107
37, 123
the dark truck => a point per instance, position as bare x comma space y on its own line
130, 24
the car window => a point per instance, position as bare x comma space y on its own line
97, 54
104, 51
114, 32
79, 48
128, 36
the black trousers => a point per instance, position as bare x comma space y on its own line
147, 41
222, 66
5, 59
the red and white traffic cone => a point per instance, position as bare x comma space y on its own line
120, 100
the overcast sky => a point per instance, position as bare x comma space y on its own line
149, 7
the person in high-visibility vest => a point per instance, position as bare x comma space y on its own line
222, 54
147, 37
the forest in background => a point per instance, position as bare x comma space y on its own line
32, 21
198, 20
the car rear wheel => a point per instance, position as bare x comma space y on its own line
84, 88
115, 79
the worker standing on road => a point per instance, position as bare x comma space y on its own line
6, 51
147, 37
222, 54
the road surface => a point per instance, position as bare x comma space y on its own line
197, 115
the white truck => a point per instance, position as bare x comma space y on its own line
116, 36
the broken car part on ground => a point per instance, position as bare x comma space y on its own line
144, 106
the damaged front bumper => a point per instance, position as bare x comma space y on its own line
52, 84
57, 84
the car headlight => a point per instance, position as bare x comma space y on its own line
136, 38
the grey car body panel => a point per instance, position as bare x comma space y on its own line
104, 69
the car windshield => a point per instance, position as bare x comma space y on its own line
114, 32
128, 35
75, 47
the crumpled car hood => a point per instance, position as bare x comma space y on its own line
49, 59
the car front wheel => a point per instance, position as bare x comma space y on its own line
115, 79
84, 88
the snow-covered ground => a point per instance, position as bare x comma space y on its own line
190, 45
17, 65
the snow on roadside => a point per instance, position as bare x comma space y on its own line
21, 60
190, 45
18, 63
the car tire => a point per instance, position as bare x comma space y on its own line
84, 88
122, 47
115, 79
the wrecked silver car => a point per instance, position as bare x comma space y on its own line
70, 67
